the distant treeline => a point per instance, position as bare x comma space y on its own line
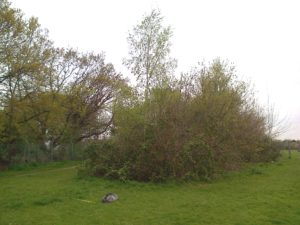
59, 103
289, 144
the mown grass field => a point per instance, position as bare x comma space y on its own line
53, 194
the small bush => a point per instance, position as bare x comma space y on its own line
270, 151
198, 160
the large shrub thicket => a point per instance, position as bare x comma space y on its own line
205, 123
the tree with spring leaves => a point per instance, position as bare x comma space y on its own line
24, 51
47, 94
149, 49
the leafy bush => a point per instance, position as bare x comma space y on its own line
193, 130
270, 151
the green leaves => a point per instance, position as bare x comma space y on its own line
50, 97
149, 49
205, 124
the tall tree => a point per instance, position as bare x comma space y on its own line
149, 50
23, 54
47, 94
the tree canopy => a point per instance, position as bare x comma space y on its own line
149, 49
50, 96
57, 103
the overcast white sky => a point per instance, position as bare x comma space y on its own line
261, 37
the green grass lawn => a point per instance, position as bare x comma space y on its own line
52, 194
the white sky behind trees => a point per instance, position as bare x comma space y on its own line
261, 37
